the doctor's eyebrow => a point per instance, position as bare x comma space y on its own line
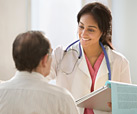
89, 25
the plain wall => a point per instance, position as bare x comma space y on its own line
125, 31
14, 19
57, 18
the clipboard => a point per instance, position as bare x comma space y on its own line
97, 99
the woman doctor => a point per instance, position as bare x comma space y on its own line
86, 65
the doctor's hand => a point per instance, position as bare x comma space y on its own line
110, 105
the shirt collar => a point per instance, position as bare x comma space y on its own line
34, 75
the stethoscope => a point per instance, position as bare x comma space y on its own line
105, 53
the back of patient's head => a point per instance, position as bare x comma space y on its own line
28, 49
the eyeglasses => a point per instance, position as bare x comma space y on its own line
69, 61
50, 52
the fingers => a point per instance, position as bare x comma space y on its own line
110, 104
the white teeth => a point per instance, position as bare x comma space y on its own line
85, 39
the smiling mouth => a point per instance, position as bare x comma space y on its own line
85, 39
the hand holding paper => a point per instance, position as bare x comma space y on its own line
119, 97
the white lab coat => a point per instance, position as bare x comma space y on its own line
79, 81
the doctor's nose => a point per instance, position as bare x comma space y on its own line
84, 33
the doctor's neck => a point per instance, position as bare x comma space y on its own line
92, 51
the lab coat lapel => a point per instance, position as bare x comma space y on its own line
102, 75
82, 62
83, 66
103, 69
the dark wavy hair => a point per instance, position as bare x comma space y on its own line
28, 49
103, 17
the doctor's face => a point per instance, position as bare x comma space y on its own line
88, 30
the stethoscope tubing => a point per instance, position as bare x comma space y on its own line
71, 45
105, 53
107, 61
79, 48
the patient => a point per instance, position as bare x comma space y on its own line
27, 92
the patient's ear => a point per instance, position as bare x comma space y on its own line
45, 60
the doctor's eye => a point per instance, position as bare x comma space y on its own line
91, 30
81, 27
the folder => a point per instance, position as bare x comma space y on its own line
97, 99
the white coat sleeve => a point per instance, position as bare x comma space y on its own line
56, 59
125, 71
